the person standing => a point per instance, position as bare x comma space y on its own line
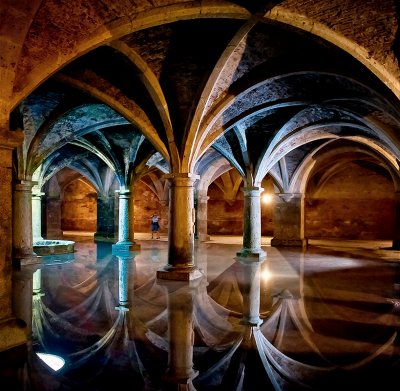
155, 226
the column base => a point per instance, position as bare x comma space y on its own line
122, 308
204, 238
179, 273
125, 247
254, 322
182, 380
252, 254
275, 242
13, 333
26, 260
103, 237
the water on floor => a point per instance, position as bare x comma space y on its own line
325, 318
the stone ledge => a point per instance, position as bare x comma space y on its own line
251, 254
179, 273
288, 242
53, 247
125, 247
27, 260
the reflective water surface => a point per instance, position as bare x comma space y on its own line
326, 318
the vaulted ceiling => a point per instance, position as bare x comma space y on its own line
134, 85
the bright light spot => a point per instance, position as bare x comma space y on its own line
267, 198
53, 361
266, 275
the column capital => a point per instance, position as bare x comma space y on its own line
182, 178
203, 198
37, 194
23, 185
287, 197
124, 193
252, 190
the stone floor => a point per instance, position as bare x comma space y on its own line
329, 319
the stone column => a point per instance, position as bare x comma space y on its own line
22, 223
289, 220
131, 226
105, 219
396, 236
251, 284
12, 331
180, 373
37, 215
252, 224
53, 218
181, 230
202, 203
125, 241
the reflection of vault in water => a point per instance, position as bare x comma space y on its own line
240, 366
92, 356
286, 316
76, 324
228, 356
212, 323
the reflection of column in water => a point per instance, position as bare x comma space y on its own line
37, 281
180, 330
201, 257
155, 254
266, 299
250, 287
37, 297
124, 266
25, 282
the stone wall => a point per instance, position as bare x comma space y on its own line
224, 218
146, 204
227, 218
356, 203
79, 207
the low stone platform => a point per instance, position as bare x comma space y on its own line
52, 247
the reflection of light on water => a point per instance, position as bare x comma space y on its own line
53, 361
266, 275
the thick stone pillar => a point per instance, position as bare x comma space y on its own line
105, 219
396, 236
53, 218
289, 220
131, 226
252, 224
202, 203
22, 224
125, 230
181, 230
37, 215
181, 295
12, 332
251, 284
